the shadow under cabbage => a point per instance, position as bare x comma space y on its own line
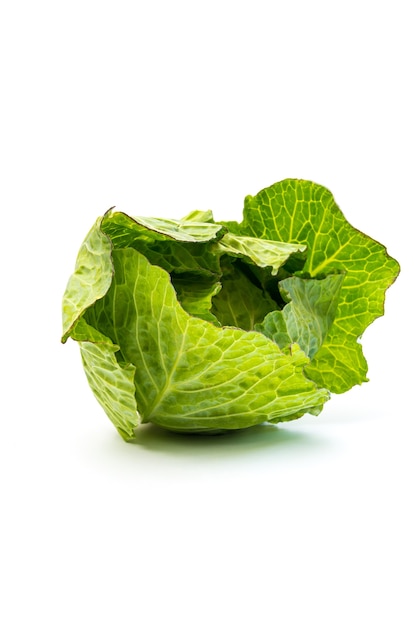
152, 437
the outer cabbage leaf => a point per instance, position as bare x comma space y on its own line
176, 246
91, 278
303, 212
182, 230
260, 252
197, 227
190, 375
111, 380
112, 384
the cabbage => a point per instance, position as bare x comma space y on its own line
204, 326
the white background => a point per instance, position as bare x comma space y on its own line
161, 108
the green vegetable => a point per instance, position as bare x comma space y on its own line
202, 326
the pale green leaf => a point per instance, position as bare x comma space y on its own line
111, 380
261, 252
309, 314
187, 230
91, 278
199, 216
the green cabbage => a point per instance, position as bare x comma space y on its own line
199, 326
